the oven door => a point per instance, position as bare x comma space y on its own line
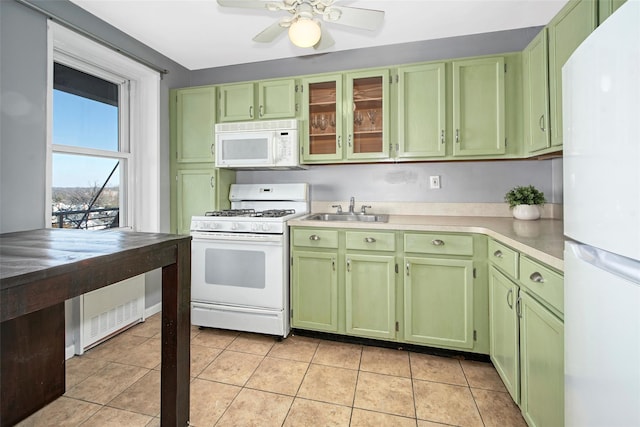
238, 269
245, 149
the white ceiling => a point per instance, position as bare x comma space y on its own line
200, 34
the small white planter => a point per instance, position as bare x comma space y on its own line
526, 212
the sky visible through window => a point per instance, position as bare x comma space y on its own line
82, 122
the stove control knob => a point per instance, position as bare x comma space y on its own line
234, 226
255, 226
265, 227
212, 225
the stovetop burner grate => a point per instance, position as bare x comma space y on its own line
270, 213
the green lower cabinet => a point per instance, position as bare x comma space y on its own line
199, 191
438, 302
504, 331
314, 291
542, 364
370, 286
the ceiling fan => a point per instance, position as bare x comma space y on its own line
304, 27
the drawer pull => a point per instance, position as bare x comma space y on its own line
437, 242
519, 307
348, 265
510, 298
369, 240
536, 277
498, 254
314, 237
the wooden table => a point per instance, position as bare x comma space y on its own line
40, 269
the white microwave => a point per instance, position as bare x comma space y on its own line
272, 144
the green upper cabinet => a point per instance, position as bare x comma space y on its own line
367, 115
194, 123
421, 109
536, 94
566, 31
276, 99
438, 302
478, 107
322, 113
607, 7
370, 287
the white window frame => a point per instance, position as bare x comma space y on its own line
140, 148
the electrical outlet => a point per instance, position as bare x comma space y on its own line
434, 181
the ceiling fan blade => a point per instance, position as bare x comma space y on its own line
270, 33
367, 19
325, 42
250, 4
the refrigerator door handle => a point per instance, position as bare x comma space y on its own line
621, 266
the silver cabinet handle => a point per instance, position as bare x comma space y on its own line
251, 111
510, 298
407, 268
536, 277
369, 240
497, 254
519, 307
541, 123
333, 264
261, 111
213, 152
212, 181
442, 136
314, 237
437, 242
339, 141
457, 135
349, 140
348, 265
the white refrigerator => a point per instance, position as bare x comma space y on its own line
601, 168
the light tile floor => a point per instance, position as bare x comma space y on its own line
241, 379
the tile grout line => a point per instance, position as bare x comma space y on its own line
475, 403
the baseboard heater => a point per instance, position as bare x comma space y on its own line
105, 312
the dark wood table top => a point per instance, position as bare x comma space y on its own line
38, 256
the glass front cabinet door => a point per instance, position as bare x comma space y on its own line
346, 117
367, 115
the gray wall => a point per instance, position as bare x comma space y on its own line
480, 182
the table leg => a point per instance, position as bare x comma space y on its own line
176, 329
31, 363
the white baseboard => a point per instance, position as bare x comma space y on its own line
69, 352
150, 311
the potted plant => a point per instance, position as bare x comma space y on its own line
525, 201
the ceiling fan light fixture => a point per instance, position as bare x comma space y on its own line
304, 32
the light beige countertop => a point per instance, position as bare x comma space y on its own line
541, 239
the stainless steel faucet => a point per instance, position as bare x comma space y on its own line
352, 202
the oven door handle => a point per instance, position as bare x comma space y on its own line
206, 237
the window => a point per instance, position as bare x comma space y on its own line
90, 149
103, 140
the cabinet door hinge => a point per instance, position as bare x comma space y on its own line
396, 268
296, 88
474, 273
505, 143
292, 261
505, 68
390, 79
397, 326
475, 335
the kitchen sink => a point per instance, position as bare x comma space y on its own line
346, 216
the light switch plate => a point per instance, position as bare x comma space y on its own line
434, 181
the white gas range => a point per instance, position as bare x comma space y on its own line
240, 257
